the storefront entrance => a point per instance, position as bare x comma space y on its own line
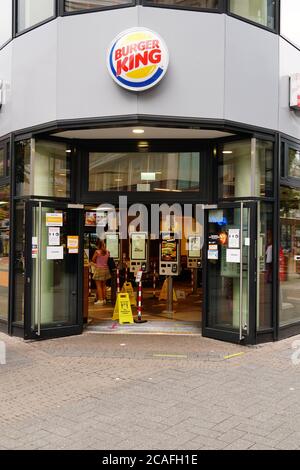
180, 311
216, 296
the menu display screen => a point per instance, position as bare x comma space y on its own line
169, 248
194, 247
138, 246
112, 244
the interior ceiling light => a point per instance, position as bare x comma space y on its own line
138, 131
227, 152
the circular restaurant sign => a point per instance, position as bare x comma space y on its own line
137, 59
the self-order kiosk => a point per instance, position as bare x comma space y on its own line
138, 252
194, 252
169, 254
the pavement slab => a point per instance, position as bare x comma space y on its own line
101, 391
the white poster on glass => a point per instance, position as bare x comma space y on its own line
55, 252
233, 238
233, 256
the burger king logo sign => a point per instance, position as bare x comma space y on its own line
137, 59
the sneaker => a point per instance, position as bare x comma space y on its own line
99, 302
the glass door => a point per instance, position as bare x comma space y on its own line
230, 272
53, 294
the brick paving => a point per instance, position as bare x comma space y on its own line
98, 391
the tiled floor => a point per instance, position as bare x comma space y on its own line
187, 309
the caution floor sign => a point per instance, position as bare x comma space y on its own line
163, 295
128, 289
122, 311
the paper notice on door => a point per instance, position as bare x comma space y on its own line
53, 236
73, 243
54, 219
55, 252
233, 238
213, 254
233, 256
35, 247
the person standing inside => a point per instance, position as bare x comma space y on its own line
101, 273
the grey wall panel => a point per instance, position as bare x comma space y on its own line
5, 76
34, 76
251, 77
220, 67
194, 83
289, 120
85, 88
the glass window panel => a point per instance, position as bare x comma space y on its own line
265, 265
294, 163
42, 168
264, 168
144, 171
57, 279
205, 4
258, 11
31, 12
51, 169
289, 256
4, 250
282, 160
223, 276
2, 160
246, 169
19, 263
23, 158
289, 18
77, 5
5, 21
235, 169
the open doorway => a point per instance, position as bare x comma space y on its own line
185, 312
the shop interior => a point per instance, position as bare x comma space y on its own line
160, 259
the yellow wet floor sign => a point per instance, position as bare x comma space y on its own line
127, 288
163, 295
122, 311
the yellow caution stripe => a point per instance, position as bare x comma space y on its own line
233, 355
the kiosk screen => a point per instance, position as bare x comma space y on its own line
112, 244
194, 247
138, 246
169, 247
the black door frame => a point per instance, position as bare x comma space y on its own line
56, 331
232, 336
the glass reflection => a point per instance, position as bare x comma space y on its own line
289, 256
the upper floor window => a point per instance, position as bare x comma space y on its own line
290, 162
78, 5
144, 171
32, 12
246, 169
42, 168
290, 19
294, 163
196, 4
4, 159
258, 11
5, 21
